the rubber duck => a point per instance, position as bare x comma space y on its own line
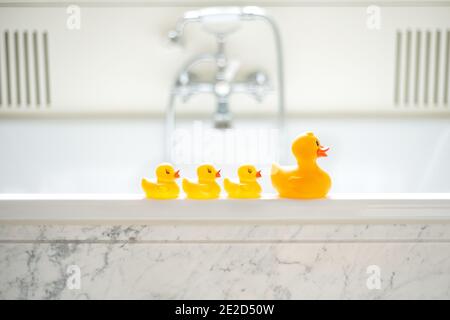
165, 186
248, 187
206, 187
308, 180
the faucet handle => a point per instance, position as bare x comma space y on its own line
184, 78
231, 70
258, 78
259, 85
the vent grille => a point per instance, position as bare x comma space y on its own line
24, 70
422, 68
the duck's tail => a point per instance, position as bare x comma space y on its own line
275, 169
147, 186
276, 176
187, 186
229, 186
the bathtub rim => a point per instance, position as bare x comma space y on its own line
133, 208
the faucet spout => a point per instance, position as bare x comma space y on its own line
222, 117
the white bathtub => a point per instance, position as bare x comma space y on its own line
382, 168
368, 155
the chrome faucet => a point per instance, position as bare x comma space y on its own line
221, 22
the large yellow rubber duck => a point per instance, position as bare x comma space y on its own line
307, 181
165, 186
206, 187
248, 187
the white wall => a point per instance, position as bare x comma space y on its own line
119, 61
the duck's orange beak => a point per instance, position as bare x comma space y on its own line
322, 152
218, 174
258, 174
176, 174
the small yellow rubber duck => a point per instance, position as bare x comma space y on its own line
206, 187
248, 187
308, 180
165, 186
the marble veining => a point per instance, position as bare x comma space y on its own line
220, 261
172, 232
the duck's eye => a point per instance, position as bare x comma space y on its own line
209, 171
317, 143
167, 171
250, 171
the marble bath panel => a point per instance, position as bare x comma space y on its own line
225, 271
189, 232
